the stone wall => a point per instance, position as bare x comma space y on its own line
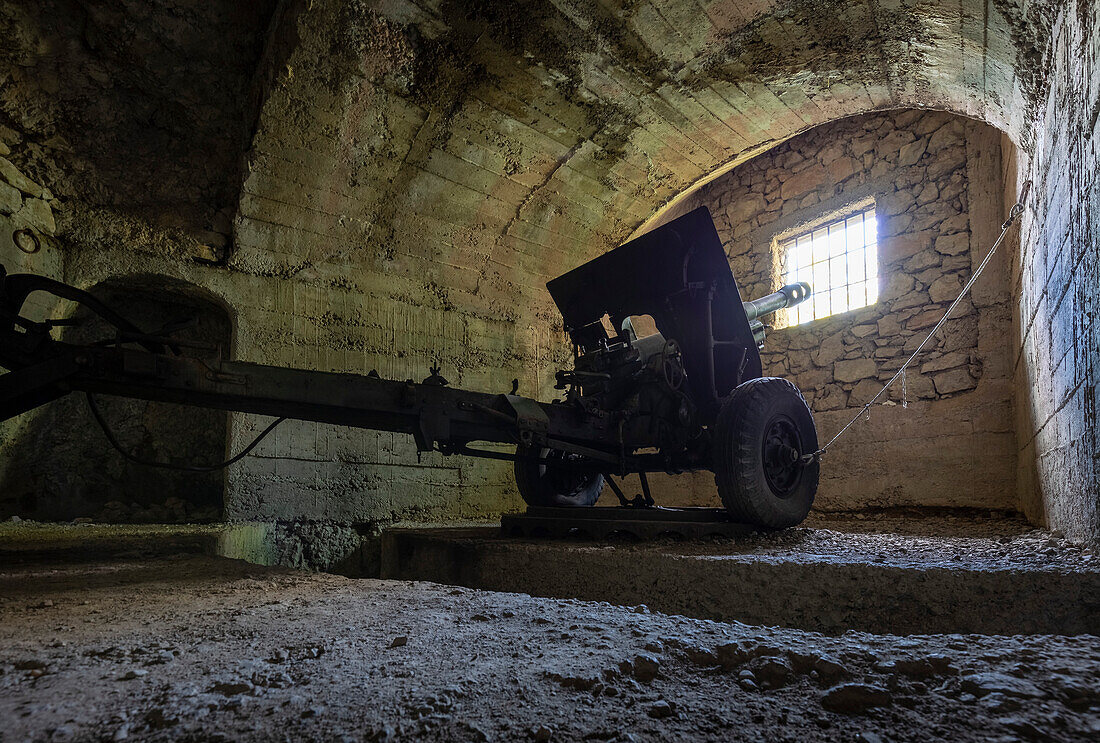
935, 182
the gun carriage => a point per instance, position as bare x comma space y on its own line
687, 396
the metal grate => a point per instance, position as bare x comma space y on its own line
839, 260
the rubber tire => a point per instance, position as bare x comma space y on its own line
538, 490
738, 456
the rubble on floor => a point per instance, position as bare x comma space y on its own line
211, 649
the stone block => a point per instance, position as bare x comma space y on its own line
803, 182
831, 152
842, 169
10, 199
946, 361
912, 386
864, 392
829, 350
37, 214
927, 258
899, 247
832, 397
863, 145
927, 276
896, 225
928, 123
925, 319
12, 175
815, 379
944, 163
911, 153
897, 285
949, 135
888, 326
745, 208
894, 141
954, 380
898, 203
962, 332
955, 223
945, 288
949, 192
854, 370
929, 193
953, 244
862, 331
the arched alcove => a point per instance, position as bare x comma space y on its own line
61, 467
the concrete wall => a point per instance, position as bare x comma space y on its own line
1057, 365
935, 182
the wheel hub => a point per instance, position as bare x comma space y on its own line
782, 449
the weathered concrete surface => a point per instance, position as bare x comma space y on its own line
1058, 360
196, 649
29, 542
996, 582
415, 172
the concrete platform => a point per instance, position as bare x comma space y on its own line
36, 542
938, 576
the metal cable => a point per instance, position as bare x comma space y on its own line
1013, 215
168, 465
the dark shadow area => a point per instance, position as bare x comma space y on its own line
61, 467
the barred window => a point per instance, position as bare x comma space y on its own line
839, 260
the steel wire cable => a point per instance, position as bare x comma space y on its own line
1013, 215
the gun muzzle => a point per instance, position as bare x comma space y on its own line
788, 296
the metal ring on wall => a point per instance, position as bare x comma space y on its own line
15, 238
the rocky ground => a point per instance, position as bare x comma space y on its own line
963, 538
199, 648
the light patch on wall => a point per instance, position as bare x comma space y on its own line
838, 259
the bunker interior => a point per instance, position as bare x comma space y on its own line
689, 397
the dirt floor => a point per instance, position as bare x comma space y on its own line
200, 648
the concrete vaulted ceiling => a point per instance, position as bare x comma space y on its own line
491, 145
481, 146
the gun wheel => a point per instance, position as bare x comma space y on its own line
560, 481
762, 431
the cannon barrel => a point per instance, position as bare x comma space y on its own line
788, 296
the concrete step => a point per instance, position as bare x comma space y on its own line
825, 580
30, 541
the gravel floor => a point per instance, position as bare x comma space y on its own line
962, 540
200, 648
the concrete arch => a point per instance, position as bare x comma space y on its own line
60, 466
564, 128
169, 288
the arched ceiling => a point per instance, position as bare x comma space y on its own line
505, 142
480, 146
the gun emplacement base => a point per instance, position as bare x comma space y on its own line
642, 523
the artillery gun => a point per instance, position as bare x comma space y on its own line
689, 395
